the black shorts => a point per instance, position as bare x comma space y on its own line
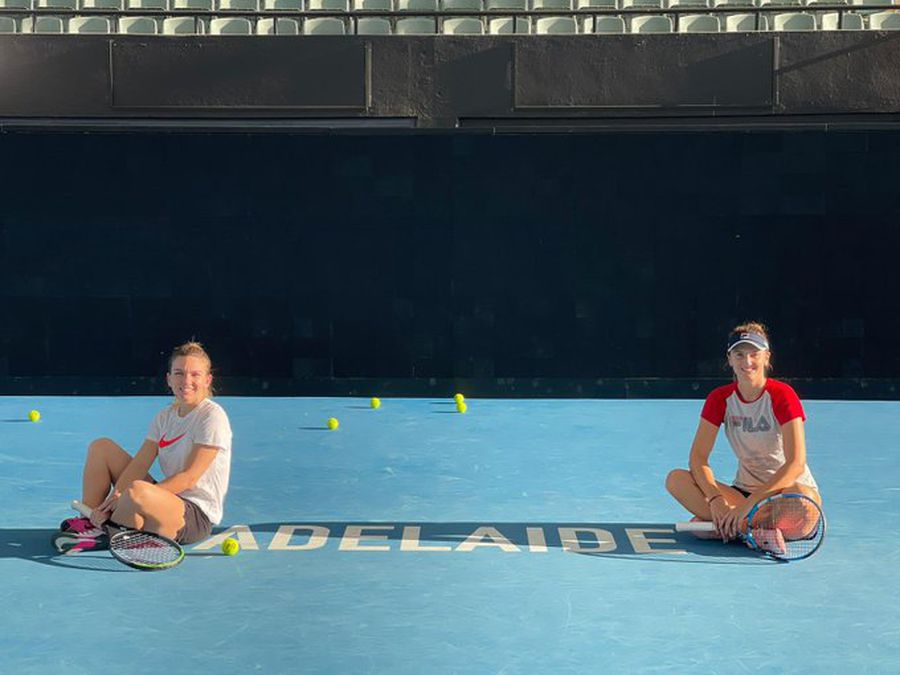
741, 490
196, 524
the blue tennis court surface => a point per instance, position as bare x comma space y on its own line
522, 537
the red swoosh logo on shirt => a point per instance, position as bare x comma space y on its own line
163, 442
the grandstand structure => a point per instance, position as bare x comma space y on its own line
459, 63
439, 17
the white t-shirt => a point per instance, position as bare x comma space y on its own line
754, 430
176, 436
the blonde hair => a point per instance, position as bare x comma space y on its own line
755, 327
192, 348
752, 327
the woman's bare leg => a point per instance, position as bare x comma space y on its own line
681, 485
148, 507
106, 460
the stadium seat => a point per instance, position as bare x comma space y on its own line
457, 5
324, 26
675, 4
605, 25
187, 5
641, 4
147, 4
651, 24
813, 3
15, 4
565, 5
507, 25
282, 5
237, 5
595, 4
89, 24
7, 24
42, 24
56, 4
882, 3
834, 21
373, 25
327, 5
417, 5
698, 23
277, 26
467, 25
792, 21
101, 4
745, 23
372, 5
737, 4
231, 25
506, 4
137, 25
555, 25
415, 26
884, 21
182, 25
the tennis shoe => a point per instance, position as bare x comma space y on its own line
71, 543
79, 525
771, 541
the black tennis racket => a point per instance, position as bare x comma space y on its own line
144, 551
785, 526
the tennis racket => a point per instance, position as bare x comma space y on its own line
785, 526
141, 550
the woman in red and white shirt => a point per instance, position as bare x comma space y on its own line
763, 421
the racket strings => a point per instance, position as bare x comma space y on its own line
146, 549
799, 525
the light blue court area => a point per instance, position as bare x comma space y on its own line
521, 537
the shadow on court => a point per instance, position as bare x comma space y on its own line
639, 541
34, 545
656, 542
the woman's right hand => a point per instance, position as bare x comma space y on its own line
105, 509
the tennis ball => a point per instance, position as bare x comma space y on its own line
376, 403
333, 423
230, 546
462, 407
459, 398
34, 415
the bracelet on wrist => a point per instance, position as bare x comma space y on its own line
709, 500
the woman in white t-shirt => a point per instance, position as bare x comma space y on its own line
763, 423
191, 438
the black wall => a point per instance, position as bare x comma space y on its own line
302, 258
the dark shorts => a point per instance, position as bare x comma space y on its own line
741, 490
196, 524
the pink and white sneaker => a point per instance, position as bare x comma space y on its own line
69, 543
79, 534
771, 541
77, 524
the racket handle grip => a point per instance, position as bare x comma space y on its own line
695, 526
83, 509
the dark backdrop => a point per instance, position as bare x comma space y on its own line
302, 260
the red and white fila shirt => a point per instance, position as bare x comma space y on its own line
754, 430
